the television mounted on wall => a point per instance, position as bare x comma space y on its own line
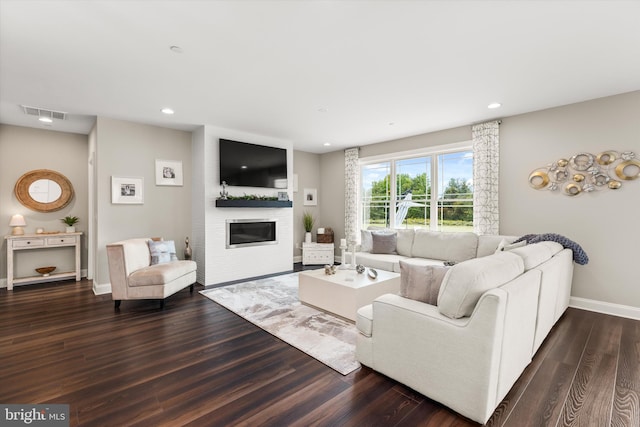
250, 165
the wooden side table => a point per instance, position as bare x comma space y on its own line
41, 241
317, 253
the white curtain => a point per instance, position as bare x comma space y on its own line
351, 183
486, 174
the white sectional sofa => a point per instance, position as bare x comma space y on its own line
493, 312
423, 247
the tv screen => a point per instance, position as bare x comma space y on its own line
250, 165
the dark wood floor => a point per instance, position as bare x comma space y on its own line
195, 363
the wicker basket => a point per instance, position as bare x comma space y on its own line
326, 237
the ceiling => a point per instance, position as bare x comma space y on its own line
345, 73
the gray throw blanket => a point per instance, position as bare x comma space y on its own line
579, 255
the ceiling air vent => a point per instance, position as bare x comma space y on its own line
41, 112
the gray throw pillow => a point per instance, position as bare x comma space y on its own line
366, 242
163, 251
383, 243
421, 282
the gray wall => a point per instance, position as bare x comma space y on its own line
22, 150
603, 223
307, 167
331, 196
128, 149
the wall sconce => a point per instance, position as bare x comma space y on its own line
17, 222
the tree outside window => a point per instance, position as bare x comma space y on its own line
398, 193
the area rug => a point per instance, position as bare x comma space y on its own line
272, 304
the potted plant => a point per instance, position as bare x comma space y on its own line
307, 221
70, 221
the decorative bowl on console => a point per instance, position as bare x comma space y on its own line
45, 271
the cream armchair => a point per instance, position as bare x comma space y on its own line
134, 277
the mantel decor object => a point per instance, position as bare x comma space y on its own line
586, 172
224, 194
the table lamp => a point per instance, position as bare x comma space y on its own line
17, 222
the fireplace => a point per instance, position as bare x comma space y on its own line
251, 232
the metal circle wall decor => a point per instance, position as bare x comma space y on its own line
621, 169
538, 179
586, 172
606, 157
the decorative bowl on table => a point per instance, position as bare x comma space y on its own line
45, 271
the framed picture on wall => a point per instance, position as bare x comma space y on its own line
168, 172
127, 190
310, 197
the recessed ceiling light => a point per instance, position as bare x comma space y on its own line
168, 111
45, 120
327, 144
391, 123
175, 49
494, 105
243, 167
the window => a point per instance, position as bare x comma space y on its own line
398, 192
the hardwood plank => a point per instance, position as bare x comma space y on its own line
626, 402
196, 363
538, 396
590, 398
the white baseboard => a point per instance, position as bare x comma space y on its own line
605, 307
101, 289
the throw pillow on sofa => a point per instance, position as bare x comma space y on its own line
383, 243
366, 241
462, 288
421, 282
163, 251
504, 245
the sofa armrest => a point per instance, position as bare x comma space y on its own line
124, 258
117, 271
467, 364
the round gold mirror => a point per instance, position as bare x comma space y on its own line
44, 190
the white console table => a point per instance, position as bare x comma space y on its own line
317, 253
42, 241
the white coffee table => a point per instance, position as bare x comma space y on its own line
346, 291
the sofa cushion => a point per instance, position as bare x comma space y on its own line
162, 251
386, 262
446, 246
465, 283
421, 282
366, 241
423, 261
161, 274
405, 241
383, 243
536, 253
488, 243
505, 245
